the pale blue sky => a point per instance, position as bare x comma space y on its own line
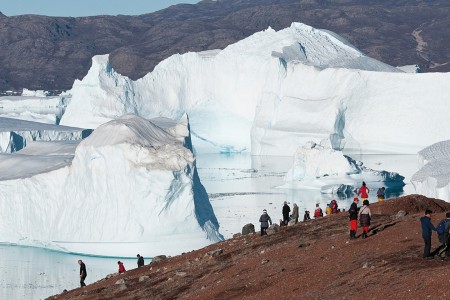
77, 8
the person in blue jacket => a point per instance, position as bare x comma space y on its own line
427, 228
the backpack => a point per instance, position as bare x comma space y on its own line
441, 227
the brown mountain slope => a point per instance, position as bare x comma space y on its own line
39, 52
310, 260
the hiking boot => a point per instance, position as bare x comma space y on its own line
364, 235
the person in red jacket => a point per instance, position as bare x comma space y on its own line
318, 212
121, 267
363, 191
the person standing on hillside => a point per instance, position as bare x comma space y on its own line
318, 212
334, 207
380, 194
265, 220
285, 211
121, 267
295, 214
427, 228
353, 215
443, 232
83, 273
140, 261
363, 191
364, 218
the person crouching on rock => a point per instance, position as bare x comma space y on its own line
318, 212
121, 267
306, 216
265, 220
427, 228
364, 218
353, 215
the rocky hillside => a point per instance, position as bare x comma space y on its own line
39, 52
310, 260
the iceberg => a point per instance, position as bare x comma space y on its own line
15, 134
130, 187
273, 91
318, 166
433, 178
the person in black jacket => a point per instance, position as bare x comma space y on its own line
286, 210
353, 215
140, 261
427, 228
265, 220
83, 272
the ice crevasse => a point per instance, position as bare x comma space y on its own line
274, 91
93, 207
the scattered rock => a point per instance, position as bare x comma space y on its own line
111, 275
248, 229
401, 213
120, 281
365, 265
122, 287
181, 273
215, 253
158, 258
190, 262
264, 261
236, 235
303, 245
274, 228
143, 278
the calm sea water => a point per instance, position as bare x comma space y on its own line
240, 187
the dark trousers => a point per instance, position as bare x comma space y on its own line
427, 247
82, 281
263, 230
286, 218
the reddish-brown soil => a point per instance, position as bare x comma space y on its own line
310, 260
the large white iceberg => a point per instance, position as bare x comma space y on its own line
132, 187
433, 178
273, 91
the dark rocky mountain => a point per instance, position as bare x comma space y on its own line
39, 52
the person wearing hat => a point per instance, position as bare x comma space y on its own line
364, 218
353, 215
427, 228
265, 220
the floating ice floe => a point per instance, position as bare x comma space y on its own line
318, 166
